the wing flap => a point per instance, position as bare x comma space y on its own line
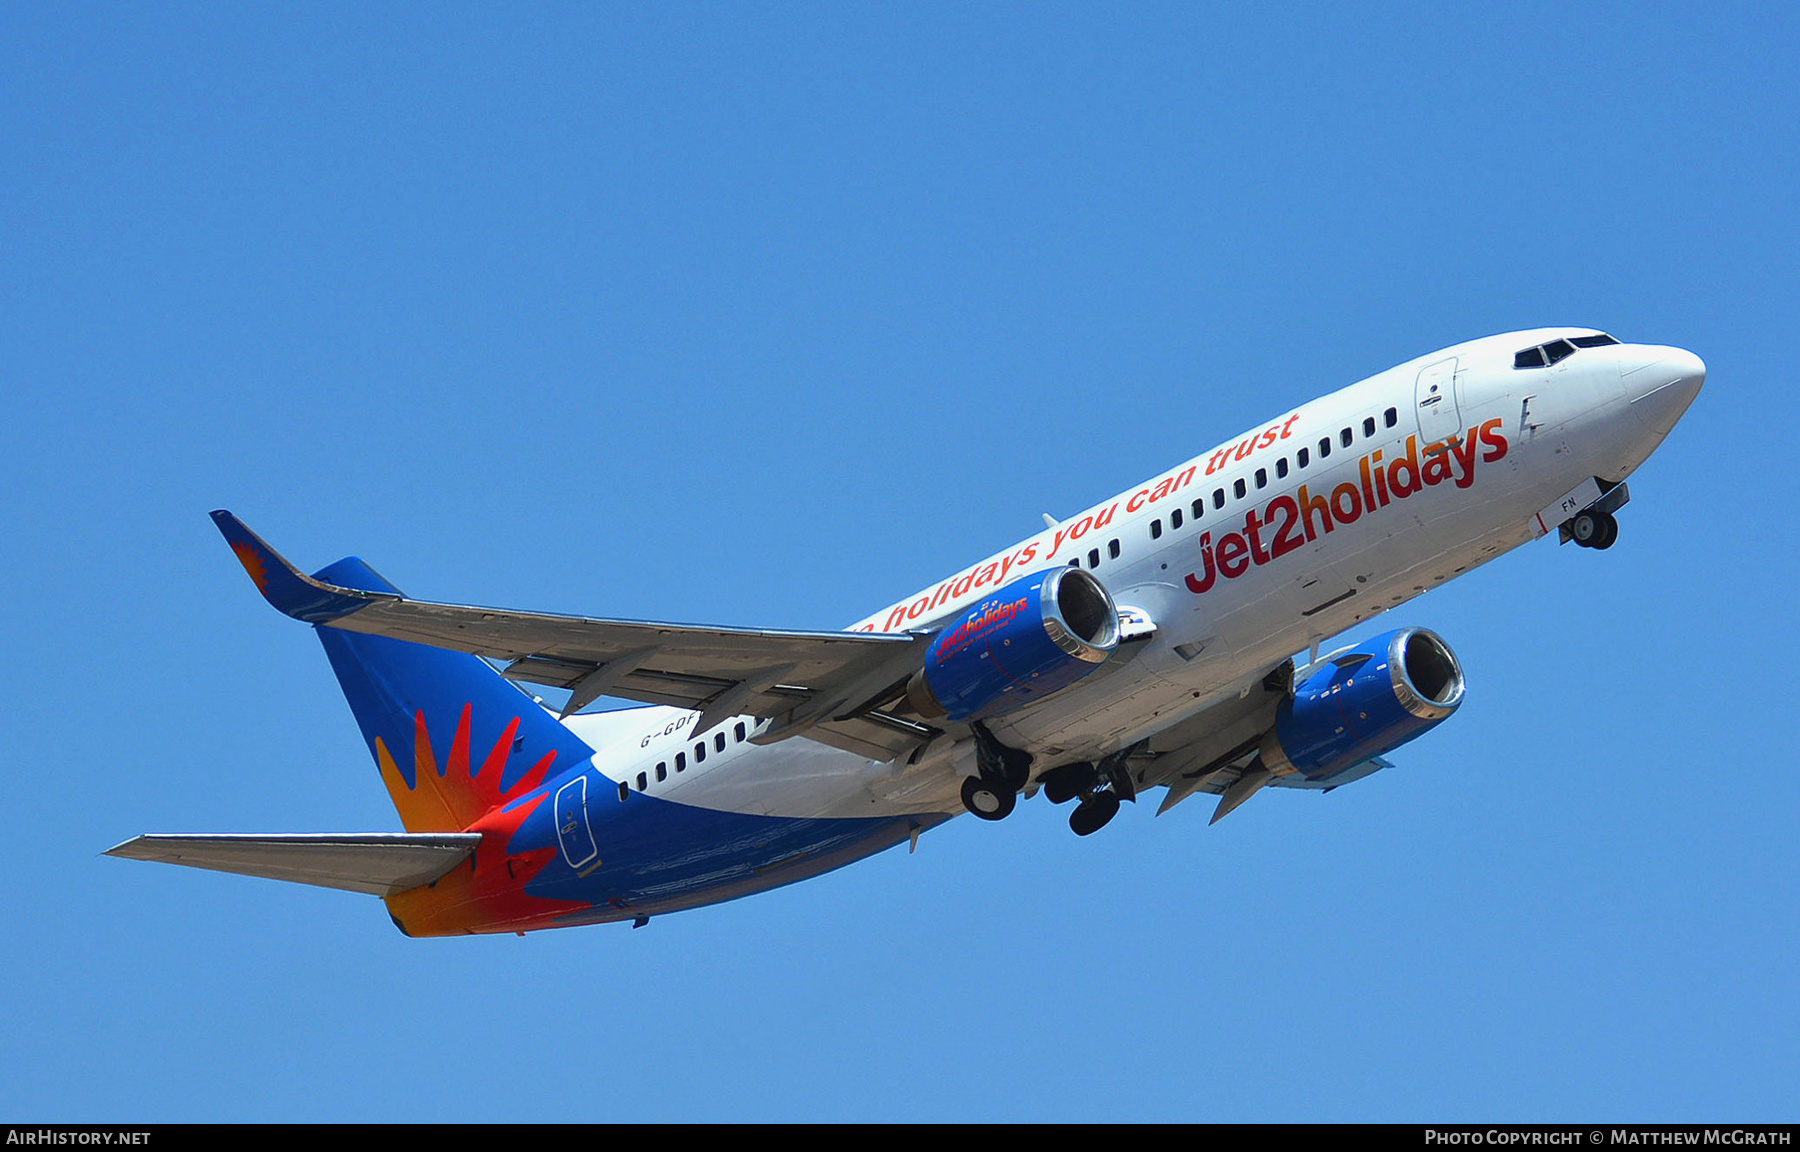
1208, 751
378, 863
875, 735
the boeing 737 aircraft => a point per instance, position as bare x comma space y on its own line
1146, 643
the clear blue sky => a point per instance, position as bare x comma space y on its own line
771, 314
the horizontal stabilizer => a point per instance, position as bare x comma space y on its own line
379, 863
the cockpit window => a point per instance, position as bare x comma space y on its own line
1545, 355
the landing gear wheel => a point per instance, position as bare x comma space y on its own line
1609, 532
1594, 529
1064, 783
1093, 813
986, 800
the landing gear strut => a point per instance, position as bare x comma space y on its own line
1593, 529
995, 792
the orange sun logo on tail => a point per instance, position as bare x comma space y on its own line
253, 564
487, 892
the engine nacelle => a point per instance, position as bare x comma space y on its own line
1030, 638
1365, 703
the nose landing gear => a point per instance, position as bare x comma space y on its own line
1594, 529
1594, 526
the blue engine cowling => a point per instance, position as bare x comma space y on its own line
1362, 704
1030, 638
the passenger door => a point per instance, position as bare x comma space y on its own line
1435, 401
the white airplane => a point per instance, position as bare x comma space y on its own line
1144, 643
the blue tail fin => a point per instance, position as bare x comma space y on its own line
453, 738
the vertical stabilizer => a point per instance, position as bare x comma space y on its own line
453, 738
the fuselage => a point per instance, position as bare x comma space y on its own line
1283, 536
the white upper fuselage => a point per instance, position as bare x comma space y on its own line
1284, 536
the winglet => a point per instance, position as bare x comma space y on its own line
285, 586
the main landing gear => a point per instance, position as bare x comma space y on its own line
1093, 813
1101, 787
994, 793
1594, 529
1004, 771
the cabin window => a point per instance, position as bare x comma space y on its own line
1262, 477
1093, 557
1199, 507
1156, 529
1300, 458
1345, 438
1218, 497
700, 752
1281, 467
662, 771
1368, 426
1324, 447
1239, 489
1112, 548
1391, 416
624, 790
1174, 519
681, 761
718, 742
643, 781
738, 731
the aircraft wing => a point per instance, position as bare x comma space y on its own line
830, 684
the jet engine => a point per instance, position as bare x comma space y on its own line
1365, 703
1037, 635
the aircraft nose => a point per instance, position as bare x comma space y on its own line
1662, 382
